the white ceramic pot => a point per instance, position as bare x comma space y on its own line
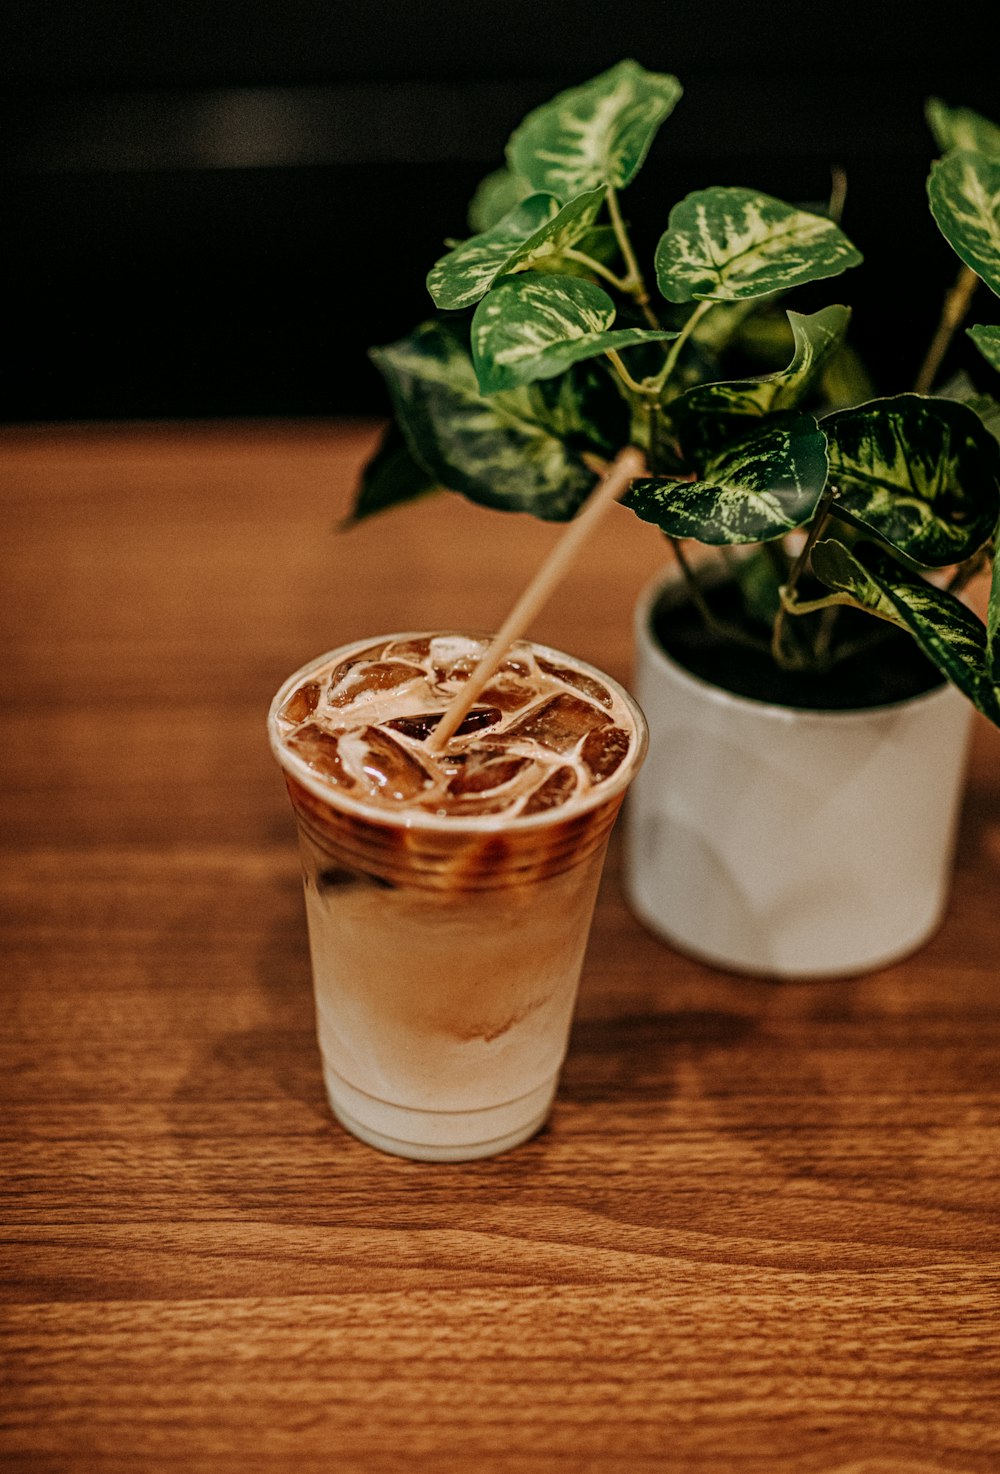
790, 843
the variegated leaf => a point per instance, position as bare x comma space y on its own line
532, 327
467, 273
993, 612
987, 340
722, 244
946, 630
585, 408
495, 451
988, 410
495, 197
595, 134
964, 192
960, 127
753, 491
712, 414
462, 276
392, 476
922, 474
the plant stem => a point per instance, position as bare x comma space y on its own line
634, 282
678, 344
624, 374
956, 305
719, 627
838, 193
797, 570
633, 274
653, 423
620, 283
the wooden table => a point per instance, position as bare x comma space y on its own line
760, 1233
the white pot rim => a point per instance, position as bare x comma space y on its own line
759, 707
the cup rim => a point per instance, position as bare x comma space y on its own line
420, 819
755, 706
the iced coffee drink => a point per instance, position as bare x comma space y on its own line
449, 895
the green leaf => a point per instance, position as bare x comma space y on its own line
712, 414
922, 474
964, 192
753, 491
993, 612
947, 631
960, 127
988, 410
391, 477
495, 451
467, 273
595, 134
586, 408
721, 244
495, 197
846, 380
532, 327
987, 340
759, 584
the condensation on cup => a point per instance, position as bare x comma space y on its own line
449, 898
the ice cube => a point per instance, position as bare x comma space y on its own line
356, 678
385, 767
559, 723
556, 789
416, 649
421, 726
521, 660
604, 751
455, 657
321, 750
579, 680
484, 771
302, 703
509, 692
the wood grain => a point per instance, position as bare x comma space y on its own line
760, 1232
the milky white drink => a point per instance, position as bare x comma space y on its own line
449, 897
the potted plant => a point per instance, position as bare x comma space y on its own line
772, 692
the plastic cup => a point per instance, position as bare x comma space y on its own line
446, 951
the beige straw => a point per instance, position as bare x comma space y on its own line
627, 464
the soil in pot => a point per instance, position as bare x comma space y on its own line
888, 667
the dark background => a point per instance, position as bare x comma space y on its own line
214, 208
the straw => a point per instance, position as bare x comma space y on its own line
626, 465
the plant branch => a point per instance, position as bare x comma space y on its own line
634, 282
633, 274
678, 344
624, 374
620, 283
956, 305
797, 570
838, 193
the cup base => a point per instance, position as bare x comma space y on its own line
438, 1136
